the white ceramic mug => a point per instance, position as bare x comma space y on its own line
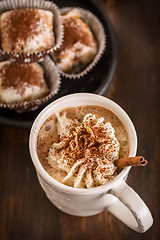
116, 196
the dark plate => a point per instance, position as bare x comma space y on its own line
96, 81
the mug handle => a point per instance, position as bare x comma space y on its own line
130, 208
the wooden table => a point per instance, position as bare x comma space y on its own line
25, 212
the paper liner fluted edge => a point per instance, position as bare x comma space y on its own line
57, 28
98, 31
53, 81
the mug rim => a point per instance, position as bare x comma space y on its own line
40, 119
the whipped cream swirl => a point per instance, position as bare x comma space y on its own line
86, 151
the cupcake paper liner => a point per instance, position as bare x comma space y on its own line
52, 78
99, 34
23, 57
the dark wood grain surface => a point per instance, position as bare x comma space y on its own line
25, 212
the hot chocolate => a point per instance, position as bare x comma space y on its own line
78, 145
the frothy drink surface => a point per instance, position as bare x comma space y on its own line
48, 134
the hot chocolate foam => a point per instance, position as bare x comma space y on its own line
79, 149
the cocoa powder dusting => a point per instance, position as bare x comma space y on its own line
74, 31
19, 76
22, 24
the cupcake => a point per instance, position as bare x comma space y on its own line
21, 82
26, 87
29, 30
81, 48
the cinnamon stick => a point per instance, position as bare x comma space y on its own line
130, 161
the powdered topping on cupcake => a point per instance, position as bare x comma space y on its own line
79, 46
21, 82
27, 30
86, 151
